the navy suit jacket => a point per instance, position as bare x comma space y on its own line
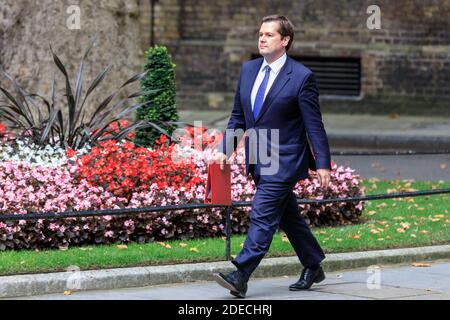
292, 107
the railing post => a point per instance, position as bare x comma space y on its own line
228, 232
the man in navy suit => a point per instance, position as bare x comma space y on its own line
277, 101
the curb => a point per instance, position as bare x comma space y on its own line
39, 284
377, 141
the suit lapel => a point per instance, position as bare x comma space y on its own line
282, 78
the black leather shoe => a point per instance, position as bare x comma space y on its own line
234, 282
308, 277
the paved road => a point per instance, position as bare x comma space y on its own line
385, 282
417, 167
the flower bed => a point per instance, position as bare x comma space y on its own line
122, 175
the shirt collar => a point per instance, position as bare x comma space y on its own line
276, 65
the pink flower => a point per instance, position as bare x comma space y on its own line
109, 234
128, 223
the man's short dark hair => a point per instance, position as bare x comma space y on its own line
286, 28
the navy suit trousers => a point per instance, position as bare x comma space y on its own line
275, 205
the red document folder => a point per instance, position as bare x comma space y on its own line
218, 185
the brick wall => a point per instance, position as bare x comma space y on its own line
405, 66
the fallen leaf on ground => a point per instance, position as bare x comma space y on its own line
182, 244
400, 230
424, 232
380, 239
356, 236
338, 240
421, 265
194, 250
371, 212
121, 246
393, 115
405, 225
67, 293
374, 231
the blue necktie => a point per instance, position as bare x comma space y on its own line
260, 94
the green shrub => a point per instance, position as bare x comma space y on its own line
160, 81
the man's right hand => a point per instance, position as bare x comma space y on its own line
220, 158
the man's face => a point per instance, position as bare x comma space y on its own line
270, 42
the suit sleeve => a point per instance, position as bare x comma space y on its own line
308, 102
232, 135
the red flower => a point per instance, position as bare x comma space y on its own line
333, 165
126, 169
70, 152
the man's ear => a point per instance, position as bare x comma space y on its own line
288, 38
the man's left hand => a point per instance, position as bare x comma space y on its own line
324, 177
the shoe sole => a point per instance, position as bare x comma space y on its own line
221, 281
317, 280
237, 294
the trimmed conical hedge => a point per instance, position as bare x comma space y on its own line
160, 75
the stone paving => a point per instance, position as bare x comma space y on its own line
405, 282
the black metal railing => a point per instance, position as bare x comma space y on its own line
228, 208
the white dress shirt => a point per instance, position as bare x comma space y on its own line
275, 68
